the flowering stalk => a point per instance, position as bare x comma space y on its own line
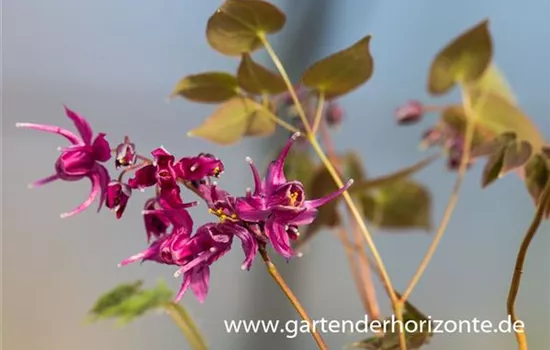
311, 137
518, 268
185, 323
272, 269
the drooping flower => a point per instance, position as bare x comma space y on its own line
210, 243
162, 172
199, 167
281, 204
81, 159
156, 221
409, 113
125, 154
118, 194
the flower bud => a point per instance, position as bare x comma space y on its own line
125, 154
118, 194
334, 114
409, 113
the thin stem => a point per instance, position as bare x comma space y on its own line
292, 298
452, 200
185, 323
285, 77
397, 305
319, 112
367, 292
278, 120
522, 254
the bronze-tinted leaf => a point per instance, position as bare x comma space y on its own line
353, 167
463, 60
236, 26
341, 72
387, 180
256, 79
401, 204
209, 87
453, 116
299, 166
494, 145
492, 168
234, 119
516, 155
498, 115
537, 174
493, 80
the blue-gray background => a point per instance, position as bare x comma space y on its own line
116, 61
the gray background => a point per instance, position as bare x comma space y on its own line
116, 61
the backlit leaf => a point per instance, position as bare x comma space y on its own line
496, 114
402, 204
516, 155
233, 120
493, 80
341, 72
236, 26
493, 145
299, 166
126, 302
463, 60
387, 180
454, 117
210, 87
256, 79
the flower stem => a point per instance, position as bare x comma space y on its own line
291, 297
470, 122
397, 305
319, 112
522, 254
189, 329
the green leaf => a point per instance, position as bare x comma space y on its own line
494, 81
387, 180
453, 116
537, 174
498, 115
126, 302
463, 60
235, 119
516, 155
402, 204
390, 340
341, 72
236, 26
256, 79
209, 87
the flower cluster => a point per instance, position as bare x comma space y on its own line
443, 134
271, 213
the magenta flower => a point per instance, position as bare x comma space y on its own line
409, 113
117, 197
199, 167
80, 159
162, 172
210, 243
125, 154
281, 204
334, 114
156, 222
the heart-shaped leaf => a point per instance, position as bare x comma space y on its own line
237, 26
494, 145
516, 155
493, 168
209, 87
463, 60
402, 204
256, 79
234, 119
341, 72
493, 80
126, 302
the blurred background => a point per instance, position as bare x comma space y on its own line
117, 61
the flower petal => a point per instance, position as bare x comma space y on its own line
144, 177
94, 192
53, 129
44, 181
275, 172
249, 245
200, 278
184, 286
81, 124
251, 209
102, 150
279, 238
315, 203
